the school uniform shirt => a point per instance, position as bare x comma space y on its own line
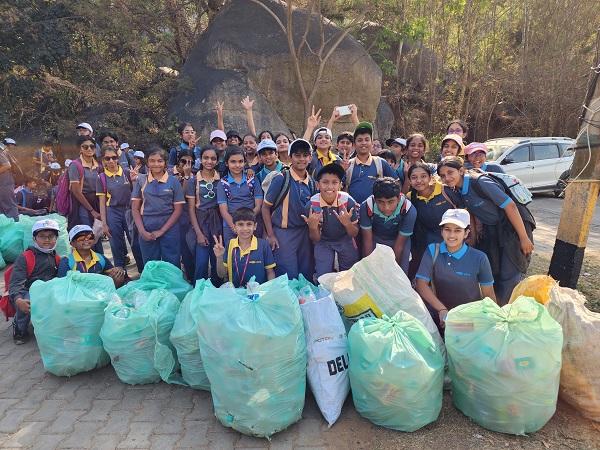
331, 227
240, 194
319, 160
457, 275
204, 192
94, 266
118, 188
173, 153
124, 160
485, 209
363, 177
44, 157
245, 264
90, 176
158, 196
431, 209
6, 177
262, 174
254, 164
26, 198
388, 228
289, 213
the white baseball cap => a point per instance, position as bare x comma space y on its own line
55, 166
79, 229
323, 130
124, 145
46, 224
10, 141
458, 217
299, 144
139, 154
68, 162
217, 134
400, 141
266, 143
85, 125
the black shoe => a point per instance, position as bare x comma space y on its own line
127, 260
20, 337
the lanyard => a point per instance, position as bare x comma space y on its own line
241, 279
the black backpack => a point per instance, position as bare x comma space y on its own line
285, 188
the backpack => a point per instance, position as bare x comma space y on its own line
63, 192
378, 165
406, 204
73, 264
285, 188
513, 187
5, 305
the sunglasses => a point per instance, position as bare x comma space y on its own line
84, 237
210, 188
111, 158
186, 161
88, 147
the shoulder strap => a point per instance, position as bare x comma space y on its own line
127, 173
435, 256
102, 260
30, 259
103, 180
251, 183
79, 168
285, 189
378, 166
230, 262
369, 201
71, 260
349, 172
447, 198
474, 182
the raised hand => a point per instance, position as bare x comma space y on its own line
344, 217
219, 249
247, 103
315, 119
219, 107
345, 162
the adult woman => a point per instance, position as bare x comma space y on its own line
507, 226
83, 176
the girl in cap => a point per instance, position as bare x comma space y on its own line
141, 166
476, 154
451, 273
507, 226
452, 145
187, 134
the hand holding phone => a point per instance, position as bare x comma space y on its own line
344, 110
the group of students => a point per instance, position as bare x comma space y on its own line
263, 206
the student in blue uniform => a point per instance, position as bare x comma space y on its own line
364, 169
451, 273
113, 189
235, 190
286, 230
245, 256
26, 198
387, 217
322, 155
507, 227
476, 153
332, 220
84, 259
157, 201
267, 151
250, 146
8, 205
398, 147
204, 213
111, 139
431, 199
187, 134
416, 148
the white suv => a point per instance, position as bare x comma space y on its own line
537, 162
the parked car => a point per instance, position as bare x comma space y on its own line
537, 162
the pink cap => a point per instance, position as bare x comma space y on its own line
476, 147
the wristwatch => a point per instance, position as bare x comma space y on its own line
187, 177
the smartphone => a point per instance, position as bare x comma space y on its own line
344, 110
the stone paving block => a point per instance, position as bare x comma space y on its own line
33, 399
310, 432
107, 441
172, 421
12, 419
164, 441
26, 435
81, 401
6, 404
99, 411
64, 422
252, 442
117, 420
113, 390
181, 397
159, 391
47, 410
196, 434
82, 435
132, 399
203, 409
222, 441
66, 389
139, 435
150, 411
48, 441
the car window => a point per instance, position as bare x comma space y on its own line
518, 155
567, 149
545, 151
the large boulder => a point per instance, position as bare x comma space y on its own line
245, 52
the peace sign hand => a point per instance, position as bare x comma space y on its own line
219, 249
220, 106
344, 217
315, 119
345, 162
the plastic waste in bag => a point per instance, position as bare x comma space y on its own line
326, 353
159, 275
184, 337
580, 373
63, 246
363, 292
137, 339
536, 286
67, 314
2, 262
504, 363
396, 372
254, 354
11, 239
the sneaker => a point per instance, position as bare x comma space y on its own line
127, 260
20, 337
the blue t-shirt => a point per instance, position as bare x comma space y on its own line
118, 188
159, 197
457, 275
6, 178
331, 227
90, 176
487, 209
363, 177
98, 264
241, 194
262, 174
387, 229
203, 192
173, 153
252, 262
289, 213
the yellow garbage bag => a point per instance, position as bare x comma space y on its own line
536, 286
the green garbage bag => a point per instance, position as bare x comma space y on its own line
505, 363
11, 240
136, 336
2, 262
159, 275
63, 246
396, 372
67, 314
185, 339
254, 353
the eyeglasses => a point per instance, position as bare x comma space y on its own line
479, 155
88, 147
111, 158
84, 237
186, 161
46, 237
455, 131
210, 188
